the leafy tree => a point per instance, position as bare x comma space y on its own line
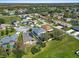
35, 50
55, 34
2, 32
20, 39
30, 30
2, 21
2, 52
12, 29
19, 51
41, 44
7, 31
45, 37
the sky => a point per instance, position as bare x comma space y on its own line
39, 1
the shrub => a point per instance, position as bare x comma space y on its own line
35, 50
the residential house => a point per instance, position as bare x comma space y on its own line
38, 31
59, 27
9, 40
67, 19
76, 28
3, 26
58, 15
47, 27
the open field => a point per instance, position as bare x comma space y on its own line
8, 19
62, 49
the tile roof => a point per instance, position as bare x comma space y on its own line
47, 27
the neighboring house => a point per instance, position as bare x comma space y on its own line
58, 15
29, 22
67, 19
26, 19
63, 23
47, 27
9, 40
75, 22
38, 31
2, 27
55, 15
59, 27
6, 10
23, 16
76, 28
12, 12
15, 23
22, 11
21, 29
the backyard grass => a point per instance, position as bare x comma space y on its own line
64, 48
8, 19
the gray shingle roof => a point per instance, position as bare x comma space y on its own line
8, 39
38, 31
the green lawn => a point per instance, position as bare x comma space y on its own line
8, 19
59, 49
